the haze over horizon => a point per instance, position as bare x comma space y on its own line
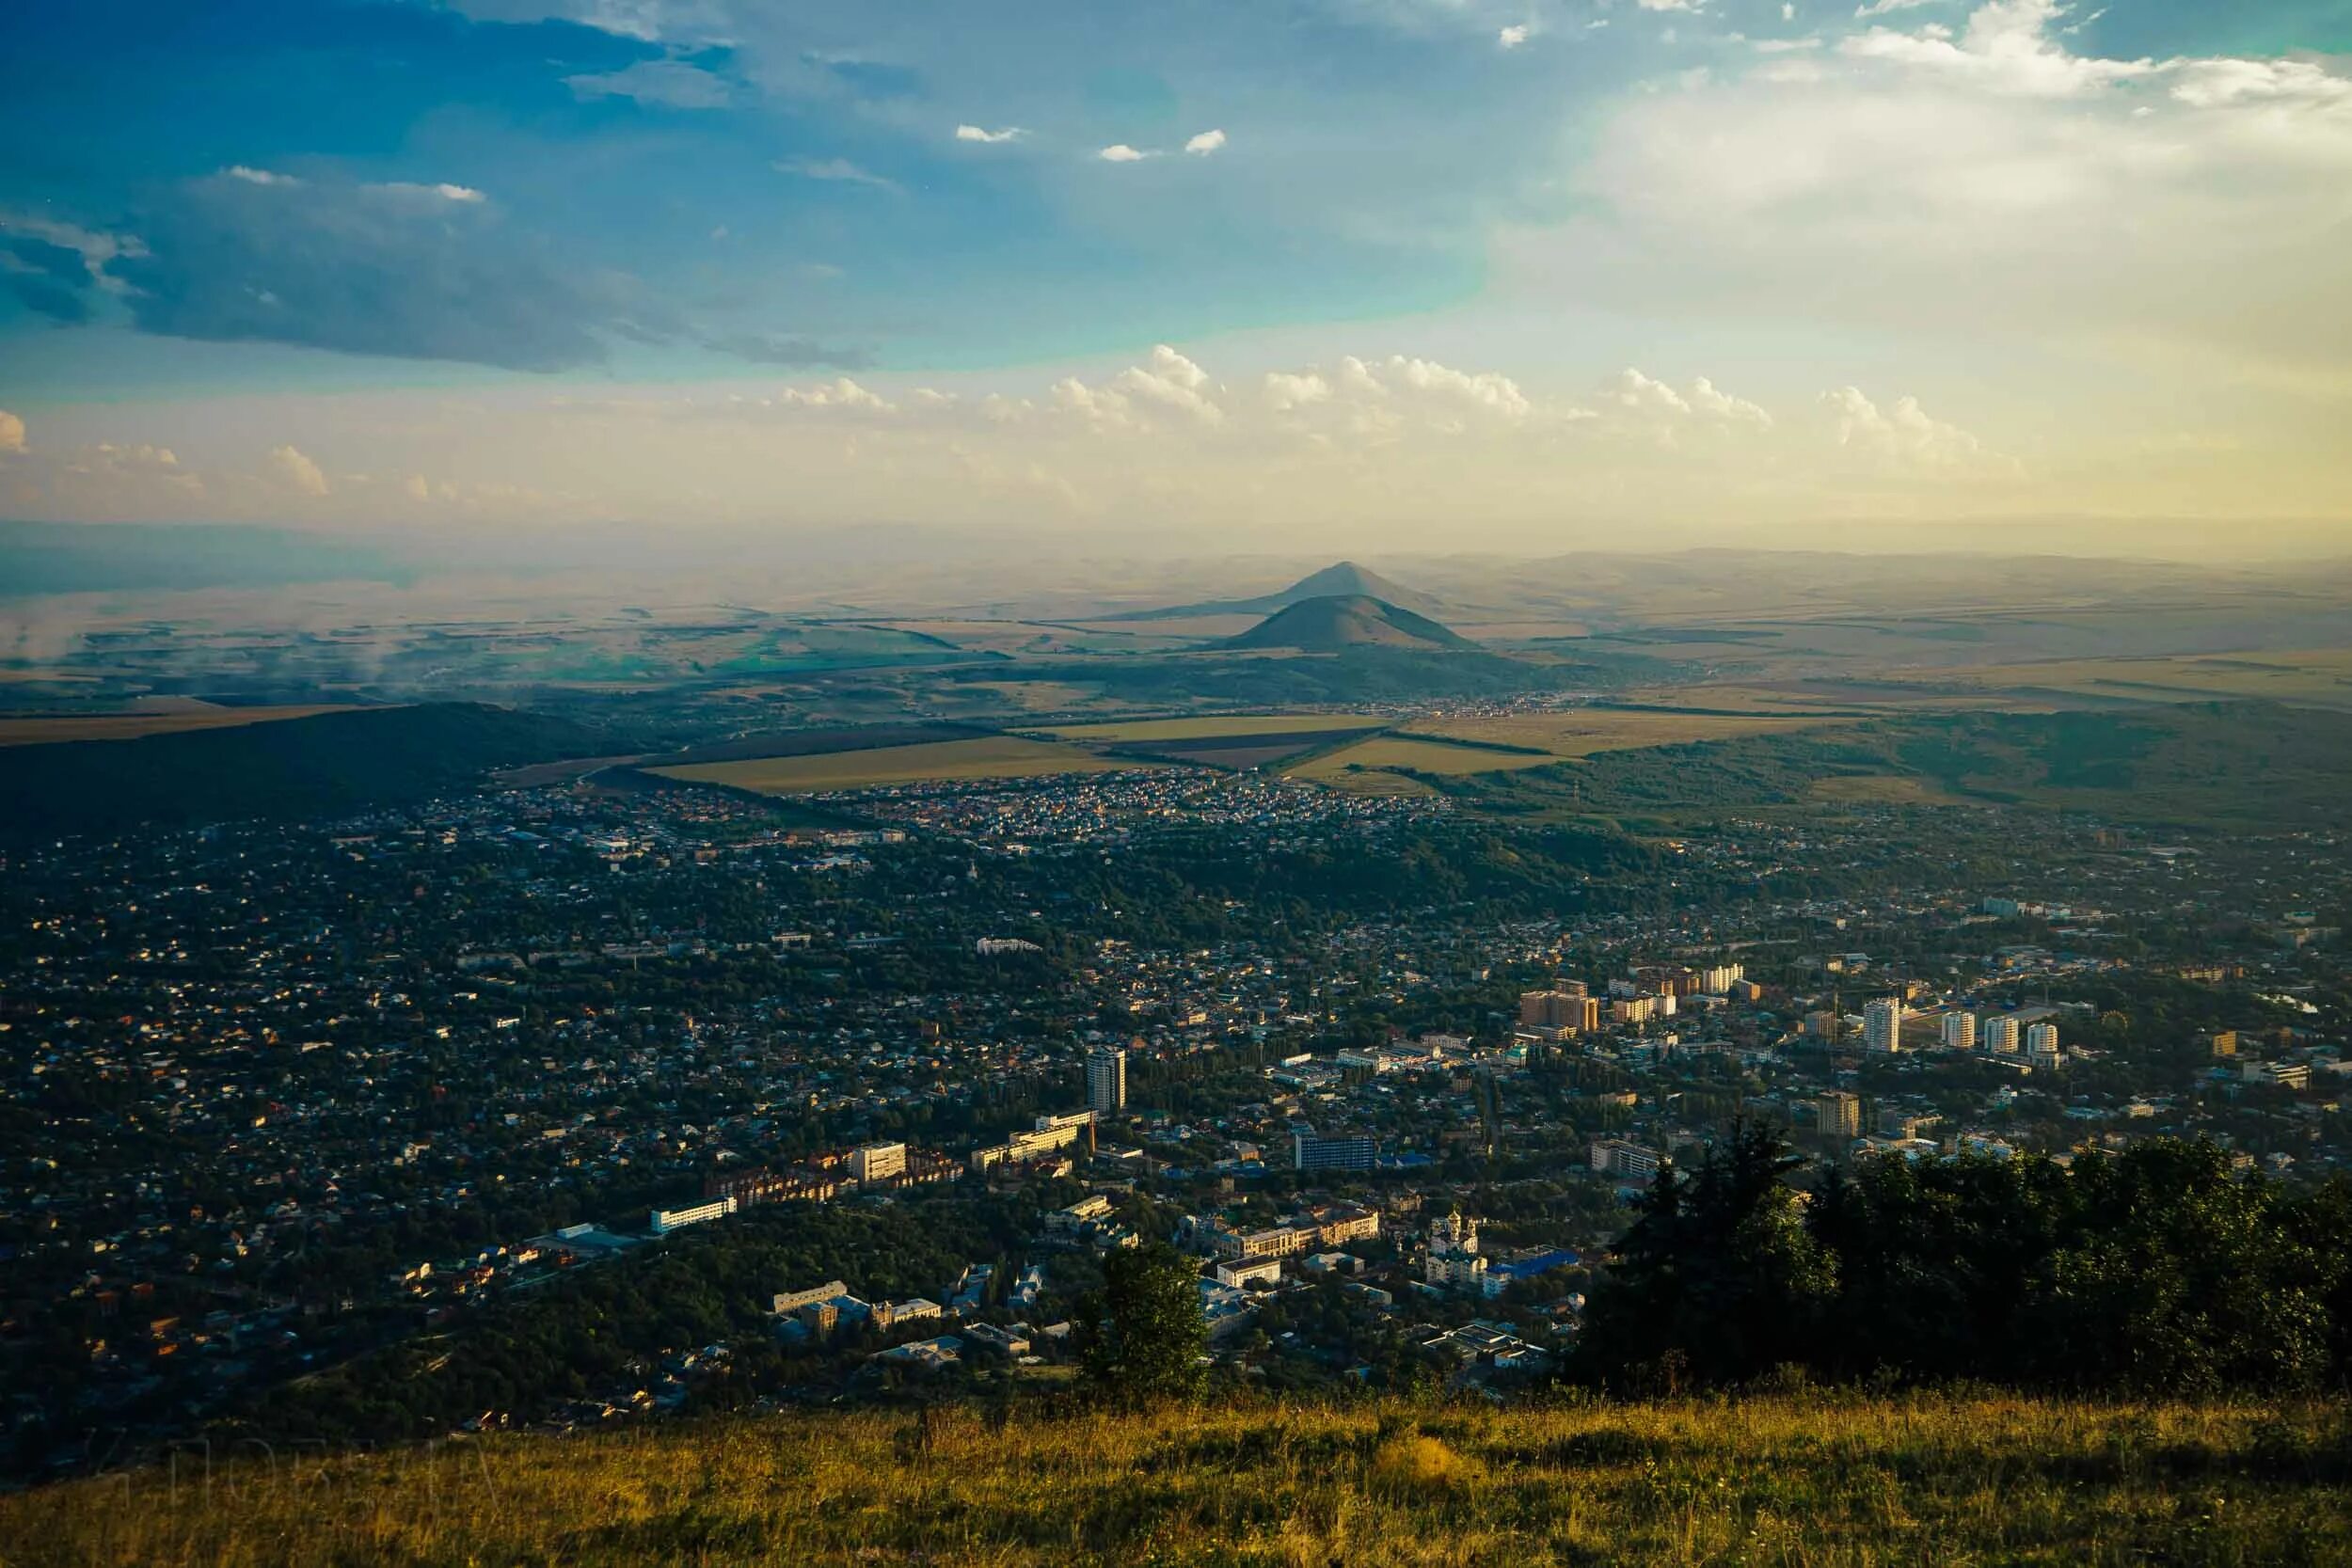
517, 282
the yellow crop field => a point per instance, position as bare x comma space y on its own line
2312, 677
996, 756
1581, 732
1124, 731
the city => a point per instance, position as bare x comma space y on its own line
309, 1091
1271, 783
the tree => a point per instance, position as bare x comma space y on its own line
1141, 1337
1719, 1277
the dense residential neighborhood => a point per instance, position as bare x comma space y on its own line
303, 1094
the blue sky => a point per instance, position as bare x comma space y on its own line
212, 215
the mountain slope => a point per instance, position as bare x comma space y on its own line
1340, 580
1334, 623
325, 765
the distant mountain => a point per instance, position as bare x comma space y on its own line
328, 765
1345, 579
1334, 623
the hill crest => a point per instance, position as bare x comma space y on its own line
1340, 580
1332, 623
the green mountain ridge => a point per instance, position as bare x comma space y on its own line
323, 765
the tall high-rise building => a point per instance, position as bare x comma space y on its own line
1839, 1113
1959, 1031
2041, 1039
2001, 1035
1558, 1008
1106, 1081
1882, 1024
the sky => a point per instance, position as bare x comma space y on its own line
1371, 275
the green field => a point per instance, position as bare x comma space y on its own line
997, 757
1816, 1479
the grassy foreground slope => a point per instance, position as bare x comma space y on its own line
1812, 1478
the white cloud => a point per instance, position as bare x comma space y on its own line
1880, 8
288, 467
259, 176
980, 134
12, 432
1951, 189
2007, 48
463, 195
1515, 35
1205, 143
1904, 435
1286, 390
673, 84
835, 171
1119, 152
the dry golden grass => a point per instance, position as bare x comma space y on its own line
996, 756
42, 729
1824, 1480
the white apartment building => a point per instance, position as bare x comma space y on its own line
1882, 1024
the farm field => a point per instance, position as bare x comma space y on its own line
1000, 757
1828, 697
40, 730
1124, 731
2311, 678
1581, 732
1346, 766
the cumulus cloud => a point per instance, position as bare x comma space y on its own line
980, 134
1205, 143
290, 468
12, 432
1903, 434
1515, 35
1119, 152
